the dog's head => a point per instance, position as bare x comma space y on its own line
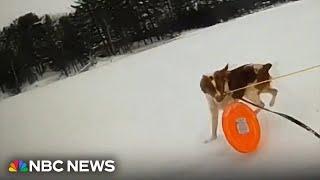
214, 85
220, 78
207, 86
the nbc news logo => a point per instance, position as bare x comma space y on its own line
18, 166
69, 166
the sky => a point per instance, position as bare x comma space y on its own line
12, 9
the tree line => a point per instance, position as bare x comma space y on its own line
32, 45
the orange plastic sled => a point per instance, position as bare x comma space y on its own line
241, 127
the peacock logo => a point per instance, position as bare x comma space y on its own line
18, 166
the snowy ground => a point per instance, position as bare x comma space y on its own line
148, 112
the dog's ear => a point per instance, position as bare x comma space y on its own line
225, 68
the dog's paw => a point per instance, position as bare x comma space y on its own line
257, 111
211, 139
271, 103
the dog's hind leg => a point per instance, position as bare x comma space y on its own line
254, 96
214, 118
273, 92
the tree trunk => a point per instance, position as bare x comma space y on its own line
126, 42
2, 88
100, 32
170, 8
15, 77
109, 38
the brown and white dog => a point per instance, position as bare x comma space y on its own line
217, 84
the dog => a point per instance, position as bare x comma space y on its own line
217, 85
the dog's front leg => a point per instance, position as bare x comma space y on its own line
214, 118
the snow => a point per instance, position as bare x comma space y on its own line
147, 110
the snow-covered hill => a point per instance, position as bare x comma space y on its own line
148, 112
